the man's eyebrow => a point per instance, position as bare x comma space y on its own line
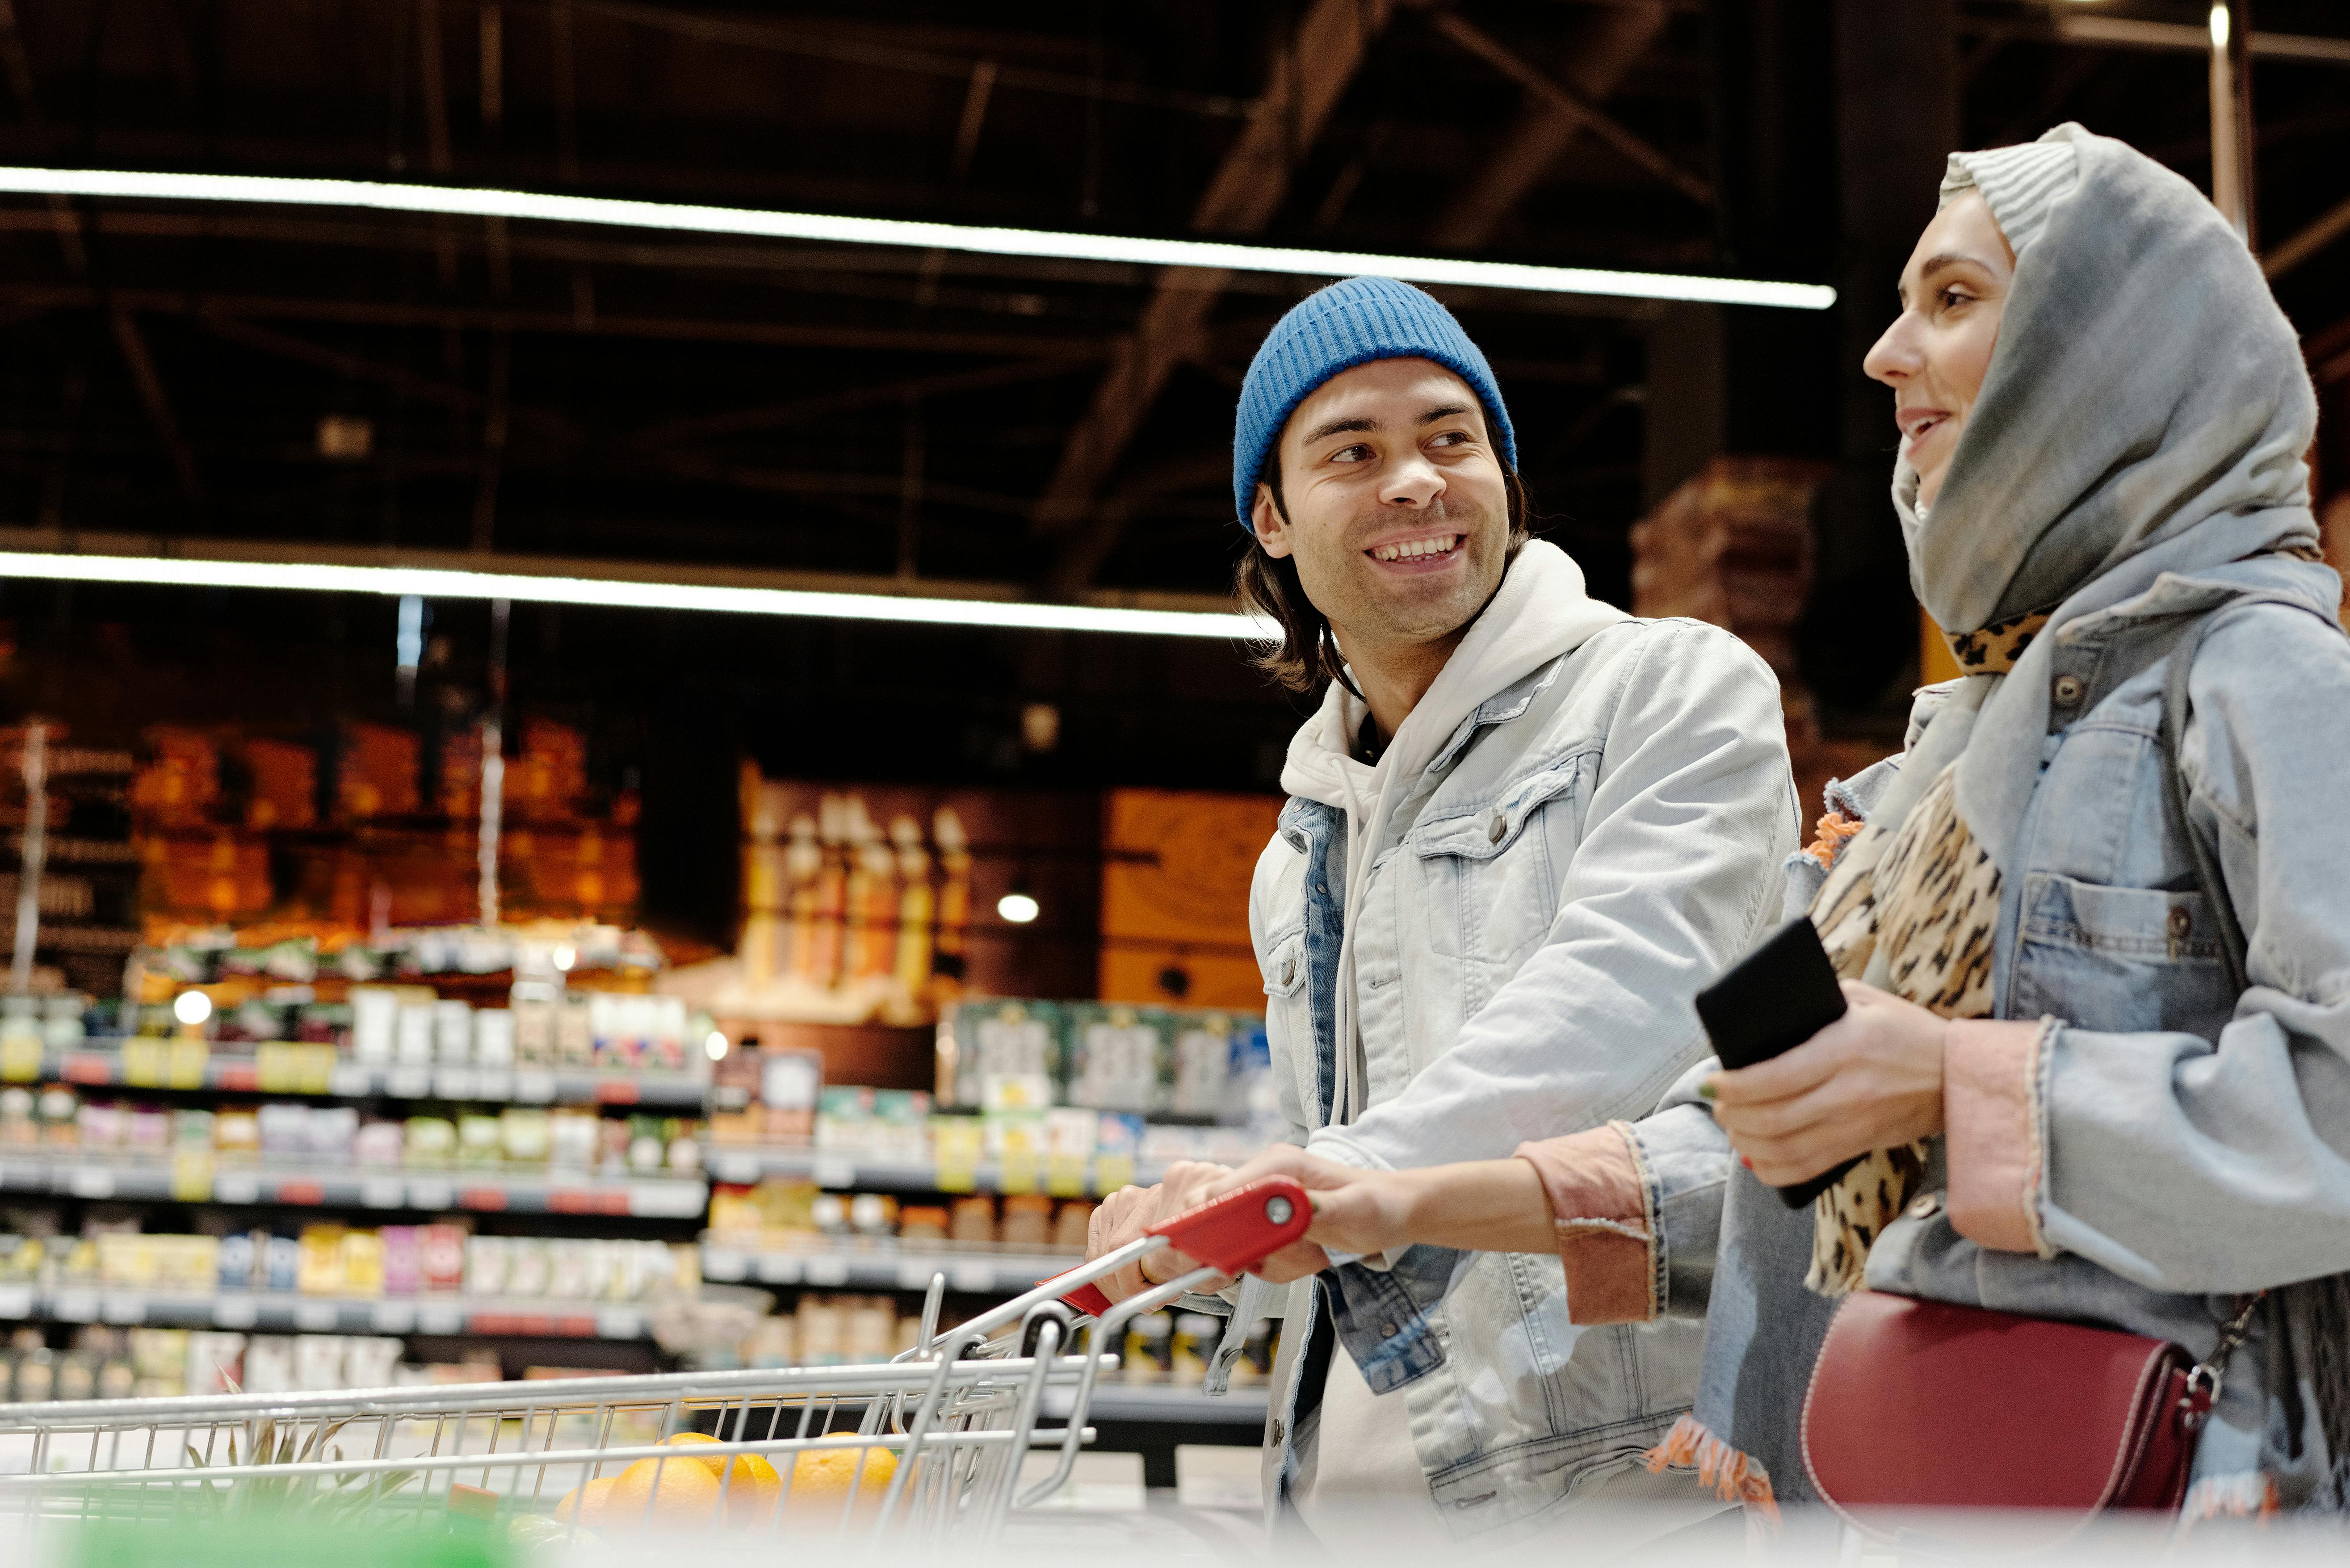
1444, 412
1339, 427
1935, 263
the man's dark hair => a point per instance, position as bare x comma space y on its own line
1307, 655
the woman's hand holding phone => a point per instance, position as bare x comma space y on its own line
1871, 1080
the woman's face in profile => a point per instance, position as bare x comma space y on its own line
1936, 353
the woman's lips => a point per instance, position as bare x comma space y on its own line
1917, 424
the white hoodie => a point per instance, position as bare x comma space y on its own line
1538, 613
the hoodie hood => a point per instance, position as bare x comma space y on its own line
1539, 613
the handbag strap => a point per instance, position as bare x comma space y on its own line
2174, 781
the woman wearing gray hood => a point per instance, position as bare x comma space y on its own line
2093, 923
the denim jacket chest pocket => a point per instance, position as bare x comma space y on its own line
2109, 923
1490, 876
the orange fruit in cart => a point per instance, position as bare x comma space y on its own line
822, 1477
680, 1491
588, 1500
750, 1495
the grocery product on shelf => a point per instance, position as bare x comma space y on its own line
1199, 1064
845, 921
61, 1120
782, 1213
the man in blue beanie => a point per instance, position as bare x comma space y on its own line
1525, 829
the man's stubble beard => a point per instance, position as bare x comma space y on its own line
1368, 614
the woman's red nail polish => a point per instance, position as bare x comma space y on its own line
1746, 1162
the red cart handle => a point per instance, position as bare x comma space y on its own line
1231, 1235
1243, 1228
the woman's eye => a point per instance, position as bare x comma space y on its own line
1952, 298
1449, 438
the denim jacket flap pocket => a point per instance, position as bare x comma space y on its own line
1285, 964
1492, 828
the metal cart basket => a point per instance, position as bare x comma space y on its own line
929, 1444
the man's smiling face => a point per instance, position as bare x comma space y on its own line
1398, 510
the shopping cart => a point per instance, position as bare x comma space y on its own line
929, 1444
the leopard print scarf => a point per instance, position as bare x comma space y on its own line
1920, 905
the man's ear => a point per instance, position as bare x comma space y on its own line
1265, 516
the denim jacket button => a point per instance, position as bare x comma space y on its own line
1925, 1205
2067, 690
1501, 826
1387, 1331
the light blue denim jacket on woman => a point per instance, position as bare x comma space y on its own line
2196, 1145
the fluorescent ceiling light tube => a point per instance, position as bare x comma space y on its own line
684, 218
436, 583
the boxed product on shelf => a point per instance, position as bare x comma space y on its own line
1201, 1047
874, 1124
1001, 1054
1119, 1057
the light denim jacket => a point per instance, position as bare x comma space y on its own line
1591, 844
2196, 1145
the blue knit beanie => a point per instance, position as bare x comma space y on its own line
1348, 324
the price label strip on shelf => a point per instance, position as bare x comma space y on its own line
1017, 1171
960, 1141
188, 1060
1112, 1172
20, 1059
236, 1186
275, 1063
1065, 1174
192, 1176
314, 1067
145, 1063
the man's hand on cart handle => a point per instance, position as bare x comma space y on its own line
1126, 1213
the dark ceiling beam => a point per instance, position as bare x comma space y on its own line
827, 481
1605, 48
799, 410
2175, 37
1310, 71
356, 368
677, 330
1086, 552
149, 386
2327, 228
1563, 100
856, 48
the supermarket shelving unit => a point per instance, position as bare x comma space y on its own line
285, 1312
299, 1068
348, 1187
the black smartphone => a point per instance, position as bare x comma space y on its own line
1768, 1002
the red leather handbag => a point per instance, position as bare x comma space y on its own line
1921, 1405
